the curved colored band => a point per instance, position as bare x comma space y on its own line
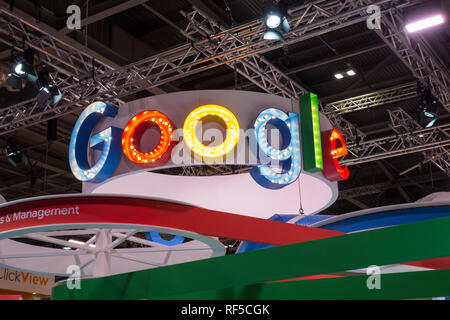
145, 211
427, 284
414, 241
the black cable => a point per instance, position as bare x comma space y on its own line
228, 10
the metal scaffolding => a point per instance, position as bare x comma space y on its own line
255, 67
439, 156
410, 137
237, 43
83, 79
375, 99
417, 55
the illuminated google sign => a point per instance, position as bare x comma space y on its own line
303, 145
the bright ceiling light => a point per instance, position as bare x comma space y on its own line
18, 69
23, 65
273, 20
338, 76
430, 117
351, 72
425, 23
272, 35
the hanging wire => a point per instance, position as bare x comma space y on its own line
86, 27
228, 10
45, 169
300, 204
300, 210
431, 175
235, 77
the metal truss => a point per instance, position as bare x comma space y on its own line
238, 43
374, 99
417, 55
71, 67
410, 137
211, 46
433, 142
205, 170
255, 67
403, 122
125, 244
68, 61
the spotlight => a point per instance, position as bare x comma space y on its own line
425, 23
23, 65
15, 156
14, 83
351, 72
430, 115
429, 110
48, 91
338, 76
275, 20
18, 69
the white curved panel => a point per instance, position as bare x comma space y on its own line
52, 261
238, 193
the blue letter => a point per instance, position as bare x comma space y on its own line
289, 157
109, 141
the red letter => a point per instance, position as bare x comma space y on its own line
333, 145
135, 128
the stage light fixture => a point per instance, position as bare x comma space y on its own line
14, 83
351, 72
48, 91
23, 65
429, 110
275, 20
338, 75
430, 115
14, 154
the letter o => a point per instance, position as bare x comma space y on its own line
134, 130
219, 114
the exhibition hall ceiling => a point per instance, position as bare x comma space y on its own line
123, 32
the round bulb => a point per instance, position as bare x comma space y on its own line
18, 69
273, 21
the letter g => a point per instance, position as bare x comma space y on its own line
108, 140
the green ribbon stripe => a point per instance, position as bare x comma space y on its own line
404, 285
408, 242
